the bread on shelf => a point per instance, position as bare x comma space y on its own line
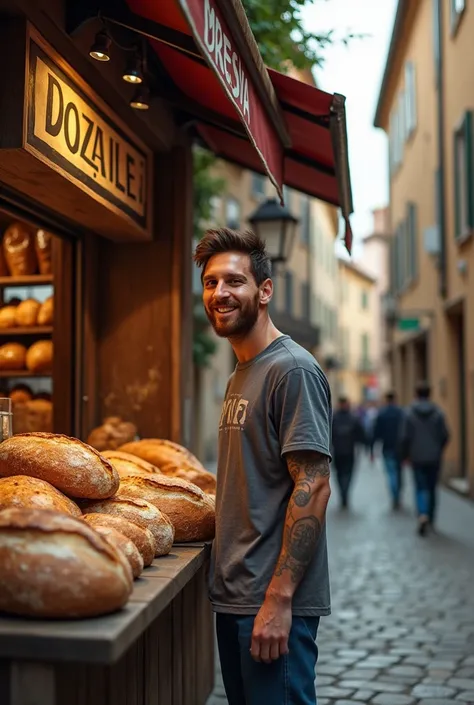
67, 463
113, 433
141, 537
56, 566
46, 312
31, 493
39, 357
43, 249
19, 249
12, 356
122, 543
191, 511
8, 317
26, 313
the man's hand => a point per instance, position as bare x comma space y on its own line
271, 630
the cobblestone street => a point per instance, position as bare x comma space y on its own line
402, 627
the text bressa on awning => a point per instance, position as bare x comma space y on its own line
69, 132
225, 59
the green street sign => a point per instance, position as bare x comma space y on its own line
407, 324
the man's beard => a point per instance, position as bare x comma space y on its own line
241, 323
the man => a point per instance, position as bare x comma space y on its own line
424, 436
269, 580
347, 433
387, 429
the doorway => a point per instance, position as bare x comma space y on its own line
457, 329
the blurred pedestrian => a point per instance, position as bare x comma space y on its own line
347, 433
424, 436
386, 431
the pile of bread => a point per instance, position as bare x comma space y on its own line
27, 314
38, 358
77, 526
31, 411
25, 251
116, 440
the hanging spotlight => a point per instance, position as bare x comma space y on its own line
100, 50
141, 98
134, 73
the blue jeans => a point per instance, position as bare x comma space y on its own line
394, 474
426, 481
288, 681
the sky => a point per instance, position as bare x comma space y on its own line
356, 72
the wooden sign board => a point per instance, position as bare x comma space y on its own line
87, 165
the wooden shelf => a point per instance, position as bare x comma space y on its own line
23, 373
30, 280
33, 330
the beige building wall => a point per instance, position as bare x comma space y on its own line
357, 339
443, 348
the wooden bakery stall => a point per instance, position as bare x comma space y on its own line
100, 106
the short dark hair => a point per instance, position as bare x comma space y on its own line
423, 390
343, 400
220, 240
390, 397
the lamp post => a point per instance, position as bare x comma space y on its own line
277, 226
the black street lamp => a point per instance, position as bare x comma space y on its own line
277, 226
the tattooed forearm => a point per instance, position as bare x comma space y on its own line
300, 544
307, 464
304, 518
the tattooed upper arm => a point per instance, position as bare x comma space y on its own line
307, 465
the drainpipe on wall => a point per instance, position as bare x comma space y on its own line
438, 16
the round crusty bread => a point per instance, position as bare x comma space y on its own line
191, 511
173, 460
127, 464
54, 565
140, 512
123, 543
142, 538
159, 451
30, 493
67, 463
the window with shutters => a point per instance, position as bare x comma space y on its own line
410, 99
305, 222
232, 213
463, 179
412, 242
289, 292
258, 186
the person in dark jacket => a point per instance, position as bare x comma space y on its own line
387, 430
424, 436
347, 432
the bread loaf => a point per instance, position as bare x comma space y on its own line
12, 356
139, 512
8, 317
26, 313
141, 537
112, 434
127, 464
31, 493
123, 544
54, 565
19, 250
161, 452
43, 249
191, 511
172, 460
67, 463
39, 357
46, 312
33, 416
20, 394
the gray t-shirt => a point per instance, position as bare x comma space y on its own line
278, 402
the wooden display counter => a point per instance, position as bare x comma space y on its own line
156, 651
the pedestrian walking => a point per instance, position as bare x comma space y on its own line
424, 436
347, 433
269, 582
387, 430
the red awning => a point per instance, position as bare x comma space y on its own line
208, 67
